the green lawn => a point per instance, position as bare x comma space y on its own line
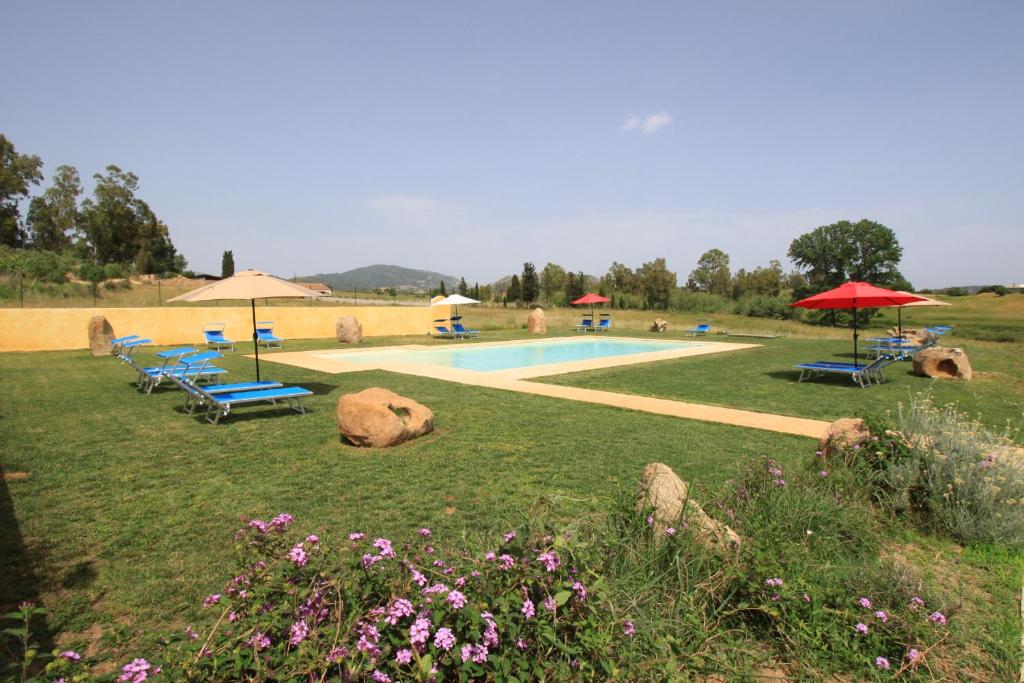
764, 379
129, 508
117, 511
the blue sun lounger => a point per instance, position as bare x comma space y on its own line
458, 329
265, 335
442, 331
699, 330
195, 366
214, 334
585, 325
861, 375
124, 347
603, 325
193, 398
219, 405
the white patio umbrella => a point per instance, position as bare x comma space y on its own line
455, 300
249, 284
926, 301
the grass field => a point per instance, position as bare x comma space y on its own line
117, 510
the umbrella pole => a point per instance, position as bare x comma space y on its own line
255, 339
855, 363
899, 318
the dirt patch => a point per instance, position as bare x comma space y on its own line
16, 476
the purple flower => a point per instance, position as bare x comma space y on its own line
628, 628
456, 599
282, 521
775, 597
807, 598
425, 532
823, 474
520, 643
510, 536
298, 555
549, 604
312, 539
937, 618
384, 546
507, 561
650, 520
882, 616
444, 639
779, 482
418, 578
370, 560
580, 590
916, 603
356, 536
259, 525
232, 617
403, 656
550, 560
401, 608
774, 582
71, 656
337, 654
864, 602
671, 531
137, 671
882, 663
419, 632
861, 628
380, 677
190, 633
299, 632
913, 656
479, 654
528, 609
211, 600
490, 556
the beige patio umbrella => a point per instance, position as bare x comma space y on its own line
926, 301
249, 284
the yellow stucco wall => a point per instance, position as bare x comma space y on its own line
53, 329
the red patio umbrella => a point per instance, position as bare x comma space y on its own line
590, 298
854, 295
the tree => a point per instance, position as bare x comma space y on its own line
552, 280
758, 282
227, 264
17, 173
712, 273
574, 286
463, 287
657, 282
476, 292
119, 227
53, 216
515, 291
833, 254
530, 283
443, 291
622, 279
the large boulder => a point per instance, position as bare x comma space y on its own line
666, 498
379, 418
101, 336
842, 435
659, 325
349, 330
913, 335
536, 324
944, 363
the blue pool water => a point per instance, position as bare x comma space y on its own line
491, 358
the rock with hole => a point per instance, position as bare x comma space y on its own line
666, 498
943, 363
349, 330
379, 418
101, 336
659, 325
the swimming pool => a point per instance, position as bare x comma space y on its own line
513, 356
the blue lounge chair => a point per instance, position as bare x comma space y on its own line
214, 333
219, 405
458, 329
699, 330
862, 375
193, 398
603, 325
124, 347
265, 335
442, 331
195, 366
585, 325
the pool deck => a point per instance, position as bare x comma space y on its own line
333, 362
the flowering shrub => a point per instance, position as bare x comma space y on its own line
369, 610
954, 473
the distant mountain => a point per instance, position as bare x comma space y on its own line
380, 275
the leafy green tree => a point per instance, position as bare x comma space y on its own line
121, 228
552, 280
657, 282
18, 172
53, 216
515, 291
759, 282
442, 291
530, 283
227, 264
574, 286
712, 273
621, 278
463, 287
833, 254
476, 292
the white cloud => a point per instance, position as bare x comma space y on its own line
651, 123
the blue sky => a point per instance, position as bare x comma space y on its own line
468, 137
